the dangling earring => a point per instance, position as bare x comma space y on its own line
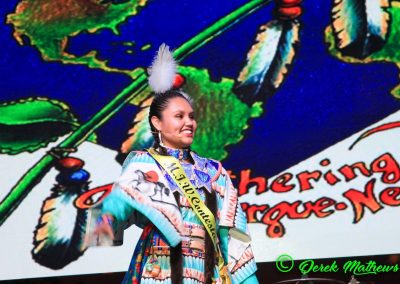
159, 139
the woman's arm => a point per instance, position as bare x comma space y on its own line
224, 243
234, 236
116, 204
141, 195
114, 210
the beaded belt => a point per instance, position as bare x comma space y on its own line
193, 244
194, 232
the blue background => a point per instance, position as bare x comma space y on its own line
322, 101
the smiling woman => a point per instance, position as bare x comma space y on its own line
194, 230
172, 118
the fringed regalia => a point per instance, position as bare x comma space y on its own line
174, 246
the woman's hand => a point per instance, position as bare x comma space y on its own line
104, 229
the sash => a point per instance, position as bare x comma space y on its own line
172, 166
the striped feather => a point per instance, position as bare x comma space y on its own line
59, 236
360, 26
268, 60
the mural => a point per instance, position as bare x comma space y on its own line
299, 99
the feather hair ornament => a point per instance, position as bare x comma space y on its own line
162, 71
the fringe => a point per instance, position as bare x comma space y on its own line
176, 257
210, 259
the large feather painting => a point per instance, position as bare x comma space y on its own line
59, 236
268, 60
360, 26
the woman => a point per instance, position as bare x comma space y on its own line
176, 245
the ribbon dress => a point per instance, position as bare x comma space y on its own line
147, 196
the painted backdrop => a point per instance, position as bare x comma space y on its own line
298, 100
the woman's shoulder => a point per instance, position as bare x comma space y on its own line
137, 156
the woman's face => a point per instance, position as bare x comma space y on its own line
177, 124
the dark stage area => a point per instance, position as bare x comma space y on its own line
364, 268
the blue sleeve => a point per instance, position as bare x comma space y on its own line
223, 242
116, 203
133, 200
234, 235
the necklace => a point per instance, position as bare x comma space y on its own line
180, 154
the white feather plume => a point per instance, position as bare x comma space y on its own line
162, 71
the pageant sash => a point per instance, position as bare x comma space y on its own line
172, 166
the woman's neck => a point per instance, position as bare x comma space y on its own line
180, 154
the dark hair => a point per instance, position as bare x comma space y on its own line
159, 104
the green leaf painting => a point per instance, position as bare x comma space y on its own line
50, 24
388, 53
222, 115
30, 124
